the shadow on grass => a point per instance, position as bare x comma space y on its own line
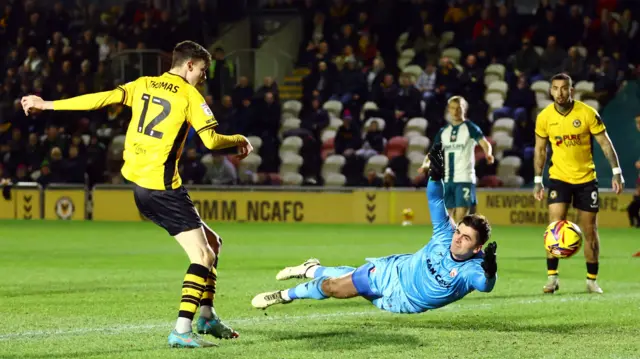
354, 337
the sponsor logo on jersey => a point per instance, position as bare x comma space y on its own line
206, 109
568, 140
576, 123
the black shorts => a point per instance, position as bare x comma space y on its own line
169, 209
583, 196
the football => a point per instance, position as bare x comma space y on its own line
562, 239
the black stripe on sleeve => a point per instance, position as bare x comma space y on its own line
124, 95
208, 127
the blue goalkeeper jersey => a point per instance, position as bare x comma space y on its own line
432, 278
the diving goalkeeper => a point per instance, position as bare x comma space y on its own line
449, 267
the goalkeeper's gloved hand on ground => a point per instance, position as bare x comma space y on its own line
436, 162
489, 264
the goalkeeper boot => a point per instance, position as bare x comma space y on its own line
188, 340
553, 284
265, 300
216, 327
298, 272
593, 287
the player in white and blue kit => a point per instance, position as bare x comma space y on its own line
459, 138
449, 267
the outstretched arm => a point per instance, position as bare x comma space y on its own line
484, 280
481, 283
91, 101
439, 217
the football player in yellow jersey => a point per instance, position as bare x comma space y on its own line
164, 108
569, 127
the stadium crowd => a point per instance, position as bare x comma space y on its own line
371, 104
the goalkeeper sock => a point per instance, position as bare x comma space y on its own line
332, 272
192, 288
552, 266
206, 303
592, 270
308, 290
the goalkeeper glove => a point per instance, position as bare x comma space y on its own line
436, 162
489, 264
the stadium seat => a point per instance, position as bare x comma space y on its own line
333, 107
293, 107
380, 121
582, 51
207, 159
291, 144
418, 124
542, 96
291, 179
500, 87
503, 142
335, 180
249, 166
509, 166
494, 72
118, 140
494, 105
490, 182
377, 163
584, 86
402, 39
503, 124
408, 54
415, 161
512, 181
291, 162
490, 97
403, 62
413, 133
290, 124
368, 106
327, 134
256, 142
414, 70
86, 139
397, 146
593, 103
333, 164
286, 116
540, 86
542, 103
334, 124
327, 148
418, 144
453, 53
539, 50
446, 38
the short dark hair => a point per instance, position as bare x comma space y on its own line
189, 50
480, 224
564, 77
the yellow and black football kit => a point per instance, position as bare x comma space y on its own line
572, 172
163, 110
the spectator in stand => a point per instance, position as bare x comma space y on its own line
505, 44
552, 59
267, 116
347, 37
366, 50
225, 114
375, 75
485, 47
574, 27
221, 172
527, 61
372, 180
574, 65
472, 80
192, 170
75, 166
347, 140
447, 79
427, 45
221, 74
518, 105
319, 83
314, 118
374, 142
407, 106
351, 84
268, 85
426, 83
242, 91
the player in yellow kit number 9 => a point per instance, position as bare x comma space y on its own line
569, 127
164, 108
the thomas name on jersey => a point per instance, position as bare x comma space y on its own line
164, 85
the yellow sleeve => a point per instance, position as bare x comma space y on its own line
201, 118
92, 101
541, 125
128, 90
596, 125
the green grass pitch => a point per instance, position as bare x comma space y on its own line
111, 290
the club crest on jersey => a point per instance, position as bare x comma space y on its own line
206, 109
577, 123
453, 273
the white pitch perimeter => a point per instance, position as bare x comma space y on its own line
124, 328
